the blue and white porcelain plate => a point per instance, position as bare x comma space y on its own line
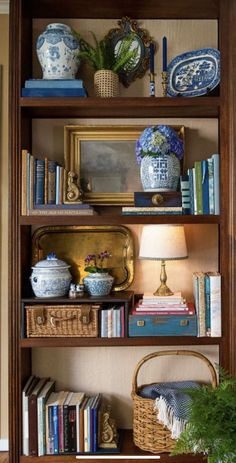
194, 73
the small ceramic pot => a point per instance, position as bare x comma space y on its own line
57, 49
98, 284
160, 173
50, 277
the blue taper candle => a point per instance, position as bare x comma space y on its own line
151, 54
164, 54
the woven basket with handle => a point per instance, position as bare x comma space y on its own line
148, 434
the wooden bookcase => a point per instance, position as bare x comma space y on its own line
24, 110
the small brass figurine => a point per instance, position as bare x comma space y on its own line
73, 190
108, 438
164, 76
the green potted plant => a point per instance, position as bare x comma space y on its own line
107, 62
211, 427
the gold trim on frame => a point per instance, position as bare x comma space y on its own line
74, 134
72, 243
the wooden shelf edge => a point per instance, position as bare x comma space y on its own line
122, 107
121, 342
128, 449
107, 219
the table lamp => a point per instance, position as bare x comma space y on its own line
163, 242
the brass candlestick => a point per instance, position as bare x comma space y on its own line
164, 76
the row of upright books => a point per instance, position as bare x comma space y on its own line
43, 188
54, 88
200, 187
61, 422
112, 322
207, 295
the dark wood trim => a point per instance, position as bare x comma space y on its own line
121, 107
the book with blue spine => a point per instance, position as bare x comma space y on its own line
94, 418
216, 181
53, 92
39, 181
208, 305
54, 83
205, 187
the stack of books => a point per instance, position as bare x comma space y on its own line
43, 184
207, 295
200, 187
113, 322
61, 422
54, 87
163, 305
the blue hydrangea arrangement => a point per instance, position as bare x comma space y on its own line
159, 140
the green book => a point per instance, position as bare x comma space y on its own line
198, 174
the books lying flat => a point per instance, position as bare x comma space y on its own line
54, 83
61, 211
127, 210
176, 297
49, 92
150, 310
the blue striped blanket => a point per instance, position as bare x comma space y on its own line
171, 403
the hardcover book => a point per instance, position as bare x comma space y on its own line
53, 92
28, 388
41, 416
54, 83
33, 417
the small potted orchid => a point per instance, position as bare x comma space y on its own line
159, 150
98, 282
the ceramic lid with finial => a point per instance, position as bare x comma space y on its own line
51, 262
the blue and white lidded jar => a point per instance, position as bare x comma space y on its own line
57, 50
50, 277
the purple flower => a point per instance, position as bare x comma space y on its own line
158, 140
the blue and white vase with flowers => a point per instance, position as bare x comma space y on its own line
98, 282
159, 150
57, 50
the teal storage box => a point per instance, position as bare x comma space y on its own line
162, 325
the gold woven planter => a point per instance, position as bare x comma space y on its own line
106, 83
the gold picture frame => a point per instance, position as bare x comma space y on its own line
101, 164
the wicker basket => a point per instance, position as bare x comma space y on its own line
106, 83
58, 321
148, 434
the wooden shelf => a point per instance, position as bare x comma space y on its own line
120, 107
127, 449
121, 342
173, 9
117, 220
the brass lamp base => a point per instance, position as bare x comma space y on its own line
163, 289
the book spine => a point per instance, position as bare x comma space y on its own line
46, 181
41, 431
24, 155
198, 175
191, 192
72, 428
32, 182
194, 191
211, 186
169, 212
57, 184
61, 428
51, 182
184, 186
86, 429
123, 322
25, 430
47, 92
215, 298
196, 299
216, 179
66, 428
78, 427
205, 187
208, 305
109, 323
54, 83
50, 441
33, 431
55, 430
202, 307
39, 181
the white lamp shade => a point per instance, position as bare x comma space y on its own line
163, 242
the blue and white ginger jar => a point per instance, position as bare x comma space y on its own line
50, 277
98, 284
160, 173
57, 50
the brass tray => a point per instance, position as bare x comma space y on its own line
73, 243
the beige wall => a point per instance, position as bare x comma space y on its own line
105, 369
4, 227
